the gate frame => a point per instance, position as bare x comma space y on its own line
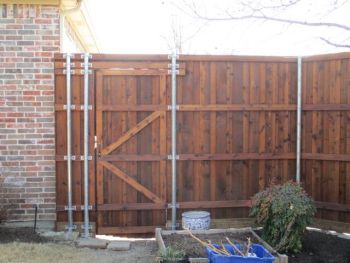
159, 202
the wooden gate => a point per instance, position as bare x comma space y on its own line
131, 154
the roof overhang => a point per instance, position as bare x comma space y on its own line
79, 22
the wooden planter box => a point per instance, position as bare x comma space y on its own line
159, 233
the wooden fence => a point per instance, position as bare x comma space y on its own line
236, 135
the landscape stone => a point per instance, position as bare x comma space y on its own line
92, 243
119, 245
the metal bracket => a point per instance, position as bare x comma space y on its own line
171, 157
177, 72
83, 55
170, 107
177, 205
73, 208
83, 207
68, 54
171, 56
83, 65
72, 107
71, 64
82, 158
82, 107
73, 227
72, 71
83, 71
89, 227
73, 157
176, 65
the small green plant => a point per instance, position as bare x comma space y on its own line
172, 254
284, 211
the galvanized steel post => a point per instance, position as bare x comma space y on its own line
299, 109
173, 140
86, 145
69, 142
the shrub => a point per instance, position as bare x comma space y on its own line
284, 211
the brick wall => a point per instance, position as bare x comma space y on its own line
29, 37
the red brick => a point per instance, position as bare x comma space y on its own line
42, 21
43, 76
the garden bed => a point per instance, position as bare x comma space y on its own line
196, 252
322, 247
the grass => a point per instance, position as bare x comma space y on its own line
51, 253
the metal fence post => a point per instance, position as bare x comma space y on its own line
173, 140
299, 109
86, 145
69, 142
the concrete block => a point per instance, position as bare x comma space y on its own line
119, 245
61, 236
92, 243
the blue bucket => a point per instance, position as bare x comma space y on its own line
262, 255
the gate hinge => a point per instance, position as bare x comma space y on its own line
170, 157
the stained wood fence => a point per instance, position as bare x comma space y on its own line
236, 135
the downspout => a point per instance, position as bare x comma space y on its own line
63, 14
299, 109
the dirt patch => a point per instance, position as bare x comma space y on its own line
195, 250
320, 247
23, 234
